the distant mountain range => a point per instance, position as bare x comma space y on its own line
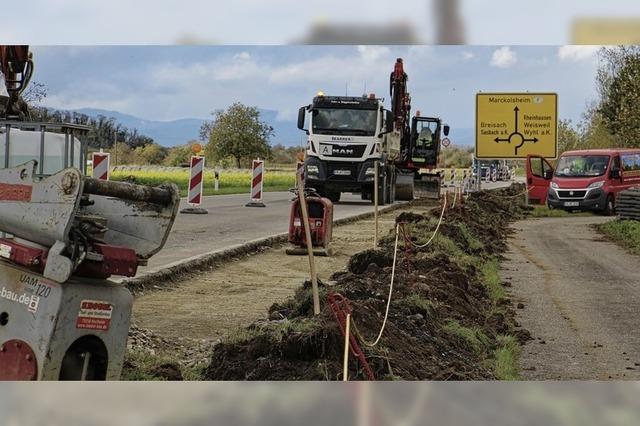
179, 132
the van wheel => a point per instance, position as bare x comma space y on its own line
610, 208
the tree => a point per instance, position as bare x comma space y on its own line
568, 137
239, 133
178, 155
619, 88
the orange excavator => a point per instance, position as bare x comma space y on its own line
16, 66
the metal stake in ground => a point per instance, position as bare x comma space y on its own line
307, 234
257, 183
376, 169
196, 180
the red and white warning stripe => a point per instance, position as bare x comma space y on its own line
101, 162
196, 181
257, 181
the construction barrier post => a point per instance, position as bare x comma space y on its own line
257, 184
307, 234
100, 161
376, 169
347, 336
196, 183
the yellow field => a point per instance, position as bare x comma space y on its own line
231, 181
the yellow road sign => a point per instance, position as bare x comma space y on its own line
513, 125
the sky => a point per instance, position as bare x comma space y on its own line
172, 82
288, 21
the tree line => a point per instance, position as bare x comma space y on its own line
613, 119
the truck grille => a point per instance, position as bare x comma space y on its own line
572, 194
347, 151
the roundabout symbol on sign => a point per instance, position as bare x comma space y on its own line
516, 137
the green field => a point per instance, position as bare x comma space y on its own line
231, 181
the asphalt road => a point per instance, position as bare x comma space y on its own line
580, 297
230, 223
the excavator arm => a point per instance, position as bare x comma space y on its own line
17, 68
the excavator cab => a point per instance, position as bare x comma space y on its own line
425, 141
424, 151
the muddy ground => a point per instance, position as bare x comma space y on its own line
445, 322
449, 319
214, 303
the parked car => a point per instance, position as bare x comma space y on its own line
583, 180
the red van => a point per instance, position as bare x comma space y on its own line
583, 180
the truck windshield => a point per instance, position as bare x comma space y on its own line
353, 122
582, 165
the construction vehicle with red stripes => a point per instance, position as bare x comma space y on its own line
62, 236
348, 135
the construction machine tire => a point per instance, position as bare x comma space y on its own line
404, 187
333, 196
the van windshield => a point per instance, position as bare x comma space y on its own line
582, 165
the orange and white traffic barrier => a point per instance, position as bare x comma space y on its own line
196, 184
100, 161
196, 181
257, 184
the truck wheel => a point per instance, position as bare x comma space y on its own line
334, 196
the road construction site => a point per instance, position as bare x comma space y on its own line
227, 308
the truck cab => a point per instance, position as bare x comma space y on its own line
346, 135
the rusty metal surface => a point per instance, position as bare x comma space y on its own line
127, 191
17, 361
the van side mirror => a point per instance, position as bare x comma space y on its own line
301, 116
548, 174
446, 130
615, 174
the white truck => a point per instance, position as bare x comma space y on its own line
348, 135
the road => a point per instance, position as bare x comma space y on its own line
230, 223
580, 296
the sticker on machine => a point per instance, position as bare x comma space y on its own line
94, 315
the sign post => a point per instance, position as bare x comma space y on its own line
511, 126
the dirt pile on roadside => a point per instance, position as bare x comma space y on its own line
447, 318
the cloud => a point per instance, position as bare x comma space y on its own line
504, 57
373, 53
577, 53
466, 55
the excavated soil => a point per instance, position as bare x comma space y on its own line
437, 290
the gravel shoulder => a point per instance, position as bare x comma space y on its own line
225, 298
578, 296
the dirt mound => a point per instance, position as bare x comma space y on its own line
445, 321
